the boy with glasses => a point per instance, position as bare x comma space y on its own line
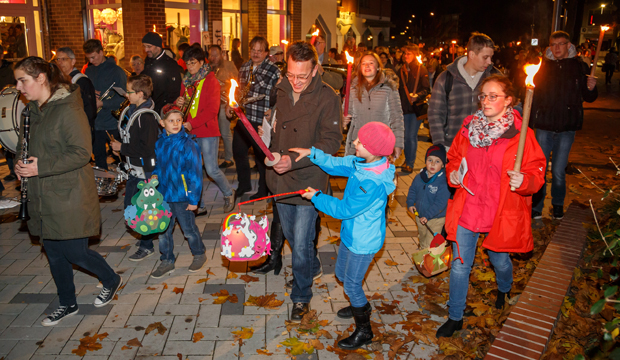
562, 85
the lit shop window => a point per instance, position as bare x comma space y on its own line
277, 21
183, 22
105, 23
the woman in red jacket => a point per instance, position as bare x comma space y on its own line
202, 119
488, 141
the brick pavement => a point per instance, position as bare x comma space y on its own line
27, 291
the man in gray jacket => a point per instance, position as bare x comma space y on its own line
455, 92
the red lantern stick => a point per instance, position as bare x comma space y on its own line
314, 36
272, 158
298, 192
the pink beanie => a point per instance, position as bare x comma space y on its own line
377, 138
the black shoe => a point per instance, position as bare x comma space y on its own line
10, 177
59, 314
106, 295
258, 195
274, 261
447, 329
501, 299
363, 331
241, 192
299, 310
347, 312
536, 215
226, 164
558, 212
406, 169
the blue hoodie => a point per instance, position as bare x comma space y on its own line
177, 155
362, 209
430, 196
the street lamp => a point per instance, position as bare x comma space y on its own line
602, 8
432, 14
412, 16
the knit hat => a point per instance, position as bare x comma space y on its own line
377, 138
152, 39
438, 151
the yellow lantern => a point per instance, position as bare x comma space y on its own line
109, 16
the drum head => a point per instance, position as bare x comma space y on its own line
11, 106
102, 173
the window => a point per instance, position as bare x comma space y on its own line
183, 22
277, 21
231, 24
105, 23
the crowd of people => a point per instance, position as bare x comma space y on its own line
474, 116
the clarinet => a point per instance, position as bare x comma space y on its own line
23, 209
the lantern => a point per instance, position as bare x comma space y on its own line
245, 239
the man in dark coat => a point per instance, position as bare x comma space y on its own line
163, 70
307, 114
562, 85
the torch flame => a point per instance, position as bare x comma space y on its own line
154, 29
316, 33
531, 71
604, 27
231, 94
440, 49
349, 58
284, 42
454, 41
419, 58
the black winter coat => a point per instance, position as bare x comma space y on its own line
560, 91
166, 76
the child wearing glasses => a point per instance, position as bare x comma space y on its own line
501, 203
362, 210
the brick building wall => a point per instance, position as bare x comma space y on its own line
65, 26
139, 16
214, 9
257, 11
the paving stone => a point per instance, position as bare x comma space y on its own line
23, 350
112, 249
328, 258
211, 231
23, 333
182, 328
202, 347
7, 345
89, 325
229, 308
55, 341
9, 292
118, 315
30, 314
209, 315
22, 298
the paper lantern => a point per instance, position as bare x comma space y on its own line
244, 239
109, 16
149, 213
96, 16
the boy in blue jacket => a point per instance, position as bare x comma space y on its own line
429, 194
362, 210
179, 171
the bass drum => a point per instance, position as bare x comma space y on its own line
11, 105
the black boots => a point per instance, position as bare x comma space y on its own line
363, 331
347, 312
447, 329
501, 299
274, 261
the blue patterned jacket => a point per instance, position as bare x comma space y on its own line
178, 157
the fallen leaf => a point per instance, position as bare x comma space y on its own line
223, 296
180, 356
376, 296
161, 329
333, 239
232, 275
263, 352
248, 278
134, 342
197, 336
89, 343
388, 309
266, 301
389, 262
210, 272
177, 290
125, 347
151, 288
200, 281
243, 334
165, 286
296, 347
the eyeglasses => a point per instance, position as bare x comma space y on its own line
558, 44
192, 63
258, 52
492, 98
292, 77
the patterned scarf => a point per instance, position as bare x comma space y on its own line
189, 79
482, 133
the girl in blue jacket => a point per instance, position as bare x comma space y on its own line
362, 211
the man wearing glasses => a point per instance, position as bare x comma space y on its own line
562, 85
307, 114
65, 59
260, 75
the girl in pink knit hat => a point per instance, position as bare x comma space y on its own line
362, 211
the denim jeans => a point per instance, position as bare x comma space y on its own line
459, 275
299, 227
412, 126
62, 254
560, 144
227, 136
131, 189
99, 149
187, 221
351, 269
209, 148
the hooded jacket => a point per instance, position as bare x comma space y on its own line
561, 89
362, 208
62, 200
314, 120
381, 103
166, 76
429, 196
179, 168
444, 119
142, 137
102, 76
511, 225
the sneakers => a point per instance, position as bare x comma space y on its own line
141, 254
289, 284
197, 263
106, 295
299, 310
59, 314
202, 211
536, 215
226, 164
229, 202
558, 212
164, 268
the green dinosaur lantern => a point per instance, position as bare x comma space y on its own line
149, 213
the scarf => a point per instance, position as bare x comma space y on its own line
189, 79
482, 133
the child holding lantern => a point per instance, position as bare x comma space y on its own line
362, 211
488, 141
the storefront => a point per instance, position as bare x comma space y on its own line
105, 22
20, 28
184, 22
